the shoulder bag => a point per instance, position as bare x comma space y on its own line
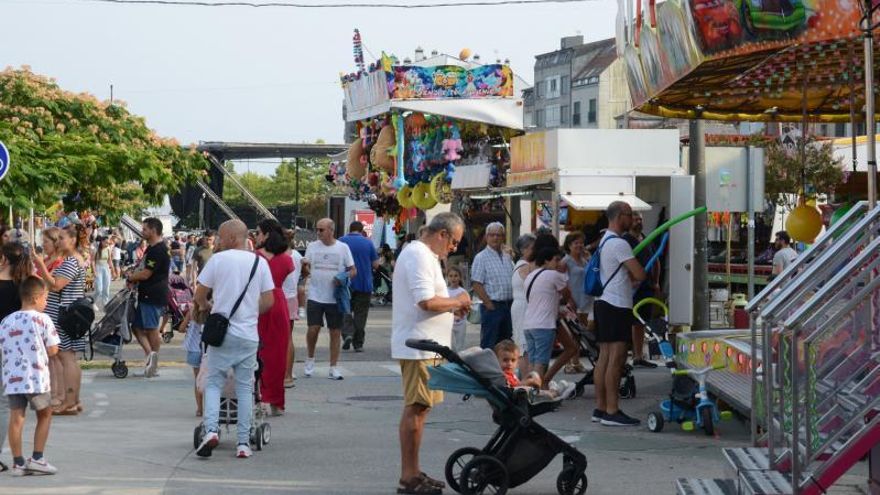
217, 324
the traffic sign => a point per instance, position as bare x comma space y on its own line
4, 160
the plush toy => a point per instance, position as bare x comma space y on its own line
380, 153
452, 147
417, 150
368, 135
356, 164
415, 124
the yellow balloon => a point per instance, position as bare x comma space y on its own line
465, 53
804, 224
404, 197
440, 189
421, 196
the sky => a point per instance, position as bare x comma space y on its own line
266, 74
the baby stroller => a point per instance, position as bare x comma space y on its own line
180, 299
113, 330
520, 448
589, 348
260, 432
381, 287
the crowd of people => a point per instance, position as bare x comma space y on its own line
251, 286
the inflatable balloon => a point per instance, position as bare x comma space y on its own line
464, 54
441, 189
421, 196
379, 155
355, 167
804, 224
839, 213
404, 197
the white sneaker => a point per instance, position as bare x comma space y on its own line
211, 440
40, 467
243, 452
154, 364
19, 470
566, 389
310, 368
335, 374
148, 365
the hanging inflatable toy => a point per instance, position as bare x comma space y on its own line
380, 154
356, 165
400, 180
804, 224
421, 196
404, 197
441, 189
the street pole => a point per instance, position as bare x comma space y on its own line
871, 126
697, 165
750, 191
296, 209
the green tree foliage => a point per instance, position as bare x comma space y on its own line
787, 174
280, 188
66, 144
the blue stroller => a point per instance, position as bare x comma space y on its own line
520, 448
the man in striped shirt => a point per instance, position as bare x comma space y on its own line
491, 277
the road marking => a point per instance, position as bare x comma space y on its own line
97, 413
394, 368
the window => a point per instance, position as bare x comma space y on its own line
539, 89
565, 85
539, 118
576, 114
591, 114
551, 116
563, 114
528, 121
552, 87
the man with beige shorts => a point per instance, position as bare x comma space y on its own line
422, 309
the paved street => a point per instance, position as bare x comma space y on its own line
135, 436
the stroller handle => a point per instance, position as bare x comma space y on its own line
650, 300
430, 346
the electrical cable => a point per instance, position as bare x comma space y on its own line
297, 5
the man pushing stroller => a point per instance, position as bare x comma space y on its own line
242, 290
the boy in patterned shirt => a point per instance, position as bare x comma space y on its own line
27, 340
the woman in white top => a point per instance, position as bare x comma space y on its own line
524, 249
103, 270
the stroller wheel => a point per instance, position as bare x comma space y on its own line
484, 474
456, 463
119, 369
167, 337
571, 481
198, 435
628, 388
256, 439
655, 421
266, 433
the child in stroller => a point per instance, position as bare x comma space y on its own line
508, 354
180, 299
520, 448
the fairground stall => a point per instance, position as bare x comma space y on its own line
807, 369
417, 125
564, 179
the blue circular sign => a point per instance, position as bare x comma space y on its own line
4, 160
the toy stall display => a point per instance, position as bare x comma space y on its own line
416, 125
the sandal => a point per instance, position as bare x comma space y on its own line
289, 383
419, 486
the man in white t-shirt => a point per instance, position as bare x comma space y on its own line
326, 258
228, 274
422, 309
620, 271
785, 254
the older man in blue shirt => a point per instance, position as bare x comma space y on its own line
365, 260
491, 277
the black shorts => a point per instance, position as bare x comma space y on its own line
613, 324
316, 313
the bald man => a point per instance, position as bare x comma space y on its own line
234, 274
327, 258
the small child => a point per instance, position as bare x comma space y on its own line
192, 344
508, 357
27, 340
459, 327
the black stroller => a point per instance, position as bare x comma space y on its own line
520, 448
589, 348
113, 331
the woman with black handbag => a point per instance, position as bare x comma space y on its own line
66, 285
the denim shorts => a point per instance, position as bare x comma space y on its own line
194, 359
539, 344
148, 316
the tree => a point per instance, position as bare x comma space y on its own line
96, 154
787, 174
280, 188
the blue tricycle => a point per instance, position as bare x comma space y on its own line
689, 403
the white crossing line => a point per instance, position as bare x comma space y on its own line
97, 413
394, 368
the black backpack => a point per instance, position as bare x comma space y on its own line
76, 319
